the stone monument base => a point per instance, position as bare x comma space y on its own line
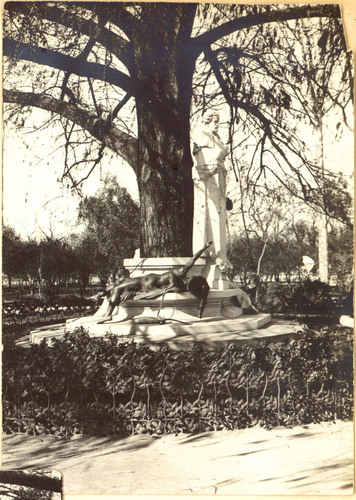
162, 320
171, 315
143, 330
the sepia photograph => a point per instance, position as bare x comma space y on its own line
177, 249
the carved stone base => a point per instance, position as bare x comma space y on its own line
180, 327
140, 266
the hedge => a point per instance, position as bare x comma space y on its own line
23, 313
114, 386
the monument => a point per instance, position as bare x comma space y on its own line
209, 176
156, 302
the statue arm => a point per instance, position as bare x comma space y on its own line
192, 261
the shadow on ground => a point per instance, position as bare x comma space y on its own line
250, 461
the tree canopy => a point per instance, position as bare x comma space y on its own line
92, 65
111, 232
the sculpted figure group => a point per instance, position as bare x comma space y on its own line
173, 280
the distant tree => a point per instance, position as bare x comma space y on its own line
87, 259
12, 252
282, 253
112, 227
56, 260
31, 262
268, 213
242, 252
341, 256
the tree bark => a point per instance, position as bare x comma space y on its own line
164, 71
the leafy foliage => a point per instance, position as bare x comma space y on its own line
283, 252
50, 260
113, 386
12, 253
111, 233
112, 228
24, 493
341, 255
305, 298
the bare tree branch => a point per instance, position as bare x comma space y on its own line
203, 41
113, 42
119, 16
118, 141
53, 59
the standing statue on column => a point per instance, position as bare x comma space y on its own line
209, 176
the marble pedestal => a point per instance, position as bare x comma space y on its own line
157, 321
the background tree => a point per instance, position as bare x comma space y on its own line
284, 255
278, 251
85, 260
95, 61
341, 256
12, 248
267, 214
112, 228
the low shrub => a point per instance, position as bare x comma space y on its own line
110, 385
275, 298
311, 297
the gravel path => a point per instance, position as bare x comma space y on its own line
309, 460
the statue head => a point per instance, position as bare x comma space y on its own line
211, 119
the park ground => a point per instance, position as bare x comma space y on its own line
307, 460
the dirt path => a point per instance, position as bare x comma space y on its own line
317, 459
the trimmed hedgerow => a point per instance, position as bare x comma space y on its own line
112, 386
24, 313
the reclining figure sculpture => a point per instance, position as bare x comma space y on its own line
172, 280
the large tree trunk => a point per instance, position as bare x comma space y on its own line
164, 73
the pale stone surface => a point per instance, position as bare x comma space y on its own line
185, 331
209, 177
179, 314
311, 460
347, 321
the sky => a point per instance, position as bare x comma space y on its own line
34, 200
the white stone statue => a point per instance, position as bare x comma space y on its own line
209, 176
